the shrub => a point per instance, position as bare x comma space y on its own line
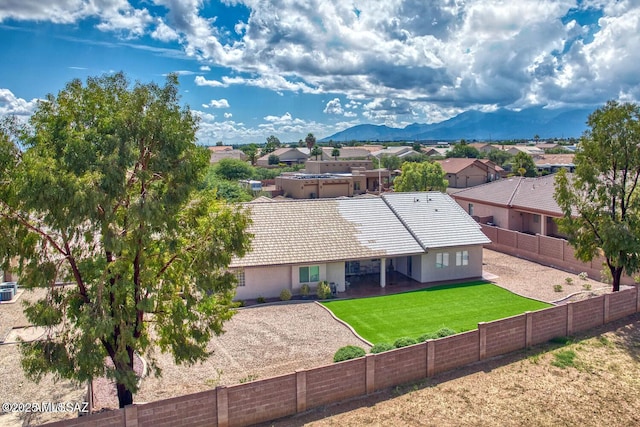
564, 359
324, 290
557, 288
426, 337
348, 352
305, 290
444, 332
240, 303
403, 342
586, 286
583, 275
285, 295
380, 347
569, 281
261, 300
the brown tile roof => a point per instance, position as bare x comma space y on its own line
218, 148
456, 165
554, 159
531, 194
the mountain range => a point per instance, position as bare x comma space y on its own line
501, 124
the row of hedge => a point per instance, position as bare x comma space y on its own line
353, 351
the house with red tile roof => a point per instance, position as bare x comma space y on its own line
518, 203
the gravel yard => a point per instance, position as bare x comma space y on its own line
261, 341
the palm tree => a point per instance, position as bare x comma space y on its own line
310, 140
335, 153
317, 151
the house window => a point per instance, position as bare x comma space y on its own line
462, 258
442, 259
356, 186
536, 219
471, 209
240, 277
309, 274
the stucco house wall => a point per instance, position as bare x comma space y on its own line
265, 281
431, 273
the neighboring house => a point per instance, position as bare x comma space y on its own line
286, 155
520, 204
527, 149
482, 147
220, 152
400, 152
332, 178
436, 151
547, 146
361, 152
463, 172
425, 236
551, 163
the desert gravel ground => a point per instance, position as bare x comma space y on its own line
263, 341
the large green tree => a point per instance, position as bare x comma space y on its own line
99, 191
425, 176
233, 169
600, 201
523, 164
463, 150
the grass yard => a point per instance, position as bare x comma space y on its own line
411, 314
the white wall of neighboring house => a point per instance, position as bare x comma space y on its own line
294, 278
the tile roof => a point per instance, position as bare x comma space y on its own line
435, 219
333, 230
532, 194
456, 165
554, 159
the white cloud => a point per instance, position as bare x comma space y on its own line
334, 107
163, 32
228, 115
217, 103
201, 81
12, 105
205, 68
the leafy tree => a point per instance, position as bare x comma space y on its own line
233, 169
417, 147
390, 162
316, 151
230, 191
251, 150
273, 159
425, 176
499, 157
600, 201
558, 150
103, 195
310, 140
463, 150
335, 153
272, 145
524, 164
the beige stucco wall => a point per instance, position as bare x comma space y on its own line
264, 281
295, 277
500, 215
429, 272
335, 273
335, 166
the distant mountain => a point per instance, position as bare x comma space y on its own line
498, 125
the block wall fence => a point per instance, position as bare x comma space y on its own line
544, 250
271, 398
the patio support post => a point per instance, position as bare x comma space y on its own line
383, 272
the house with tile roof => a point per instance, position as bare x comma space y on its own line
287, 155
463, 172
551, 163
518, 203
220, 152
425, 236
360, 152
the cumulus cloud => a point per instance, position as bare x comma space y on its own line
217, 103
12, 105
334, 107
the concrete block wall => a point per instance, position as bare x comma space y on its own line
272, 398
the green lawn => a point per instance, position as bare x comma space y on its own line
411, 314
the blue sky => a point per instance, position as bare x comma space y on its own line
254, 68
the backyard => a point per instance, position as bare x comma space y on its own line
410, 314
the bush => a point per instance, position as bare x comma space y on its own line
403, 342
305, 290
348, 352
587, 286
557, 288
324, 290
444, 332
285, 295
569, 280
583, 275
381, 347
426, 337
261, 300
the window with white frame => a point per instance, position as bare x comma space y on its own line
442, 259
309, 274
239, 273
462, 258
